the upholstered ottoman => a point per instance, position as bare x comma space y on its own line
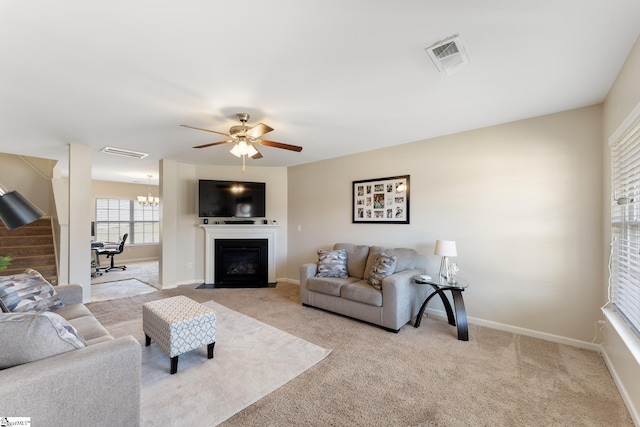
178, 325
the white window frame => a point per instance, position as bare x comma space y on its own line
128, 225
623, 307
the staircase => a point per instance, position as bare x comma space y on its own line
30, 246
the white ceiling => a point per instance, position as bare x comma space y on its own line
336, 77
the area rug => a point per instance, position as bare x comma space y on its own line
251, 360
119, 289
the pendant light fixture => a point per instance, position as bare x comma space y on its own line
148, 199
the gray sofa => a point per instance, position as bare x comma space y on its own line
391, 307
95, 385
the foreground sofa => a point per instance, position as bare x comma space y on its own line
44, 376
392, 306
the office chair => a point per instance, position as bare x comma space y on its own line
110, 251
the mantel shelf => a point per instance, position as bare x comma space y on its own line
252, 226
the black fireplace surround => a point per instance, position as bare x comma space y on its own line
241, 263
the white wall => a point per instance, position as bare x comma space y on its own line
522, 200
622, 99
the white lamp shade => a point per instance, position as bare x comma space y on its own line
446, 248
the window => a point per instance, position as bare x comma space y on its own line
625, 221
115, 217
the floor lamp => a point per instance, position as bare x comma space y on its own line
15, 210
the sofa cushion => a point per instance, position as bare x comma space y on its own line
90, 329
361, 291
33, 336
28, 291
356, 258
73, 311
405, 258
332, 263
328, 285
383, 266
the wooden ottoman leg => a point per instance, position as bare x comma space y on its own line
210, 350
174, 365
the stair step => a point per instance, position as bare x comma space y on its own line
29, 261
30, 246
21, 251
6, 241
25, 231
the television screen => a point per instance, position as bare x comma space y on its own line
229, 199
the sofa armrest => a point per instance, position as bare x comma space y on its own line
400, 297
69, 294
97, 385
306, 272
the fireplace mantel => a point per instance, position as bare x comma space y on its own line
238, 231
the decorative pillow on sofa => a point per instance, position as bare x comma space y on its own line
28, 291
383, 267
34, 336
332, 263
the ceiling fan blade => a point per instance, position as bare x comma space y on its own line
280, 145
258, 130
258, 155
211, 144
206, 130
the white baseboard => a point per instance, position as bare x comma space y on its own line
628, 401
522, 331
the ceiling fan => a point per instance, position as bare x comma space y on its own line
245, 139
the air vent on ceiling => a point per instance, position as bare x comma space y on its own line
449, 55
124, 152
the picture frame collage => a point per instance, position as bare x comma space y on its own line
381, 200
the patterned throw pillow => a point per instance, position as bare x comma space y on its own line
382, 268
34, 336
28, 291
332, 263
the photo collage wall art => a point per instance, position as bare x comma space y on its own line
381, 200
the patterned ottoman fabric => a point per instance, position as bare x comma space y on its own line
179, 324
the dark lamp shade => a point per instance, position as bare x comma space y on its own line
16, 211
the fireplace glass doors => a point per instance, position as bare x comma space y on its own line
241, 263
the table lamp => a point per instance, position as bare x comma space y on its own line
15, 210
445, 249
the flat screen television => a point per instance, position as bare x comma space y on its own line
231, 199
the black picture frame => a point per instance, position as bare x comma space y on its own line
381, 200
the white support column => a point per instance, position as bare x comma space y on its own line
80, 218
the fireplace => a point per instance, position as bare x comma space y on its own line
215, 232
241, 263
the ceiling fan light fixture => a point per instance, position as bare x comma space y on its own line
242, 148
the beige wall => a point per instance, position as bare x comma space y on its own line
31, 177
126, 191
623, 97
522, 200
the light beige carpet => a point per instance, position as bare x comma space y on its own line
417, 377
251, 360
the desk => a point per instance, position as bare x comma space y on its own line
95, 245
440, 285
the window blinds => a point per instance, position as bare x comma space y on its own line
625, 223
